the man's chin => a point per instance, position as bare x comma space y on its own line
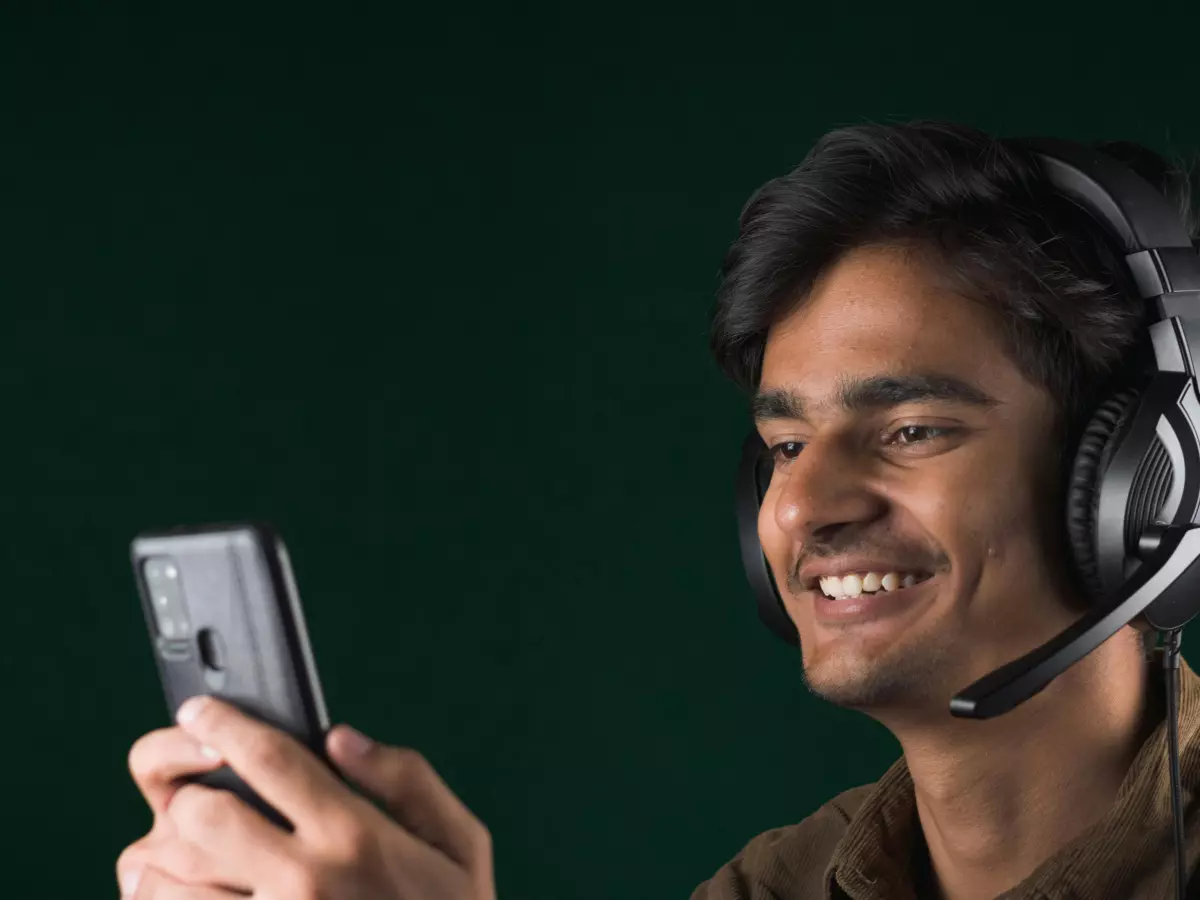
872, 684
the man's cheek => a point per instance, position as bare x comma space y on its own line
775, 546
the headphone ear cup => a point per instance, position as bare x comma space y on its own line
1099, 441
753, 480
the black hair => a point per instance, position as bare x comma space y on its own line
1070, 318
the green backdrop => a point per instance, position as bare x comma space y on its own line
427, 288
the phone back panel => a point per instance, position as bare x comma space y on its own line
235, 627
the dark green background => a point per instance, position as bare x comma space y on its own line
427, 287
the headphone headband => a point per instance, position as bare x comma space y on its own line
1158, 249
1131, 208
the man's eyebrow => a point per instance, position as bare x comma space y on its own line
877, 392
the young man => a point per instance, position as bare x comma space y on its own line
926, 328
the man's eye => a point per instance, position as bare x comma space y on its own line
917, 434
785, 452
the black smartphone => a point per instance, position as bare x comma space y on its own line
225, 619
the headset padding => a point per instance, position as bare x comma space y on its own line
1096, 447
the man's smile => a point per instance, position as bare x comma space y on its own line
867, 606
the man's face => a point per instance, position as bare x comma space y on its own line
912, 445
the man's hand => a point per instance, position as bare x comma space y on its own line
207, 844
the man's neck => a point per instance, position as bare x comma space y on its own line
997, 798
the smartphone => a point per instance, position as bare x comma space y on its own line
225, 619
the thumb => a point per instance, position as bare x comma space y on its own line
361, 761
412, 793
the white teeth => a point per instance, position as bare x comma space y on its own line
853, 585
831, 586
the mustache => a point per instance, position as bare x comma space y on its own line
910, 555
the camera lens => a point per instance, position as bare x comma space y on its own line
164, 587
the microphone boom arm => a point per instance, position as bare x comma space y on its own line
1012, 684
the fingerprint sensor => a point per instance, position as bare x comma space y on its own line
212, 649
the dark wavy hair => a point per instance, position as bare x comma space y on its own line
1069, 316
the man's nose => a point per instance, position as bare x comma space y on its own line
826, 486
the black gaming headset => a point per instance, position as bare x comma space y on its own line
1133, 496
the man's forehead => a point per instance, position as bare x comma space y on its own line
887, 308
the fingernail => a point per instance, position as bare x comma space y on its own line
129, 882
190, 709
355, 742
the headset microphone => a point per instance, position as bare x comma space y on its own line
1133, 501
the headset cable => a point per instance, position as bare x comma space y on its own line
1171, 642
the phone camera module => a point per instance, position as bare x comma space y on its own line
165, 589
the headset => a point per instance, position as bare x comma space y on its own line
1132, 512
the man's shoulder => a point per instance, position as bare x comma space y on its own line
787, 863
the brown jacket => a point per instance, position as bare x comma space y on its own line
866, 843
